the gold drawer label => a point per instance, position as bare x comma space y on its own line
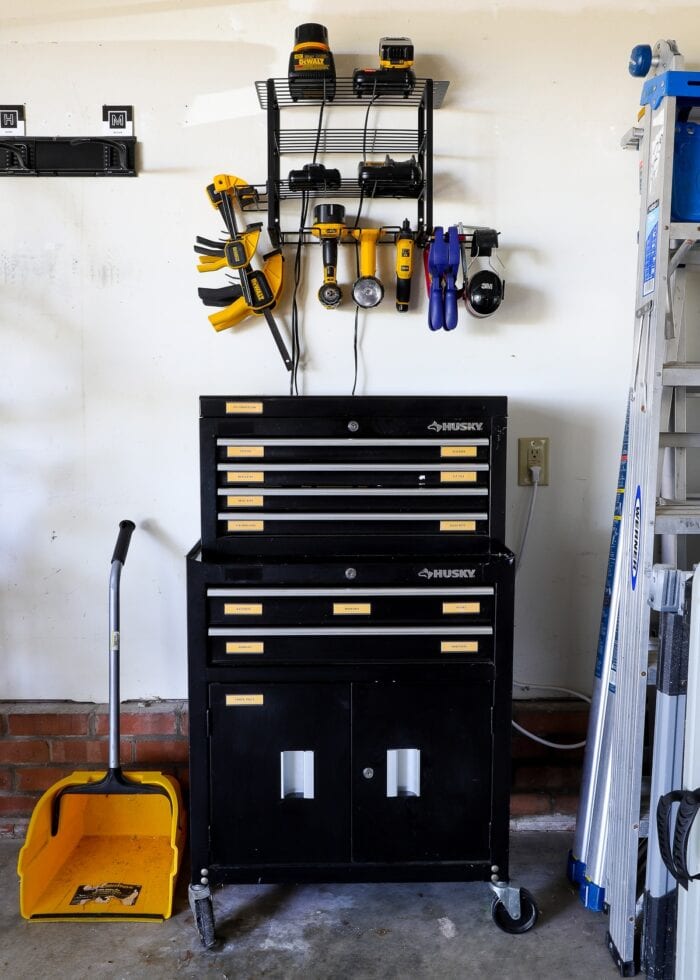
352, 608
461, 607
245, 648
243, 700
458, 525
244, 452
254, 476
244, 408
245, 501
243, 609
459, 646
458, 476
463, 451
245, 525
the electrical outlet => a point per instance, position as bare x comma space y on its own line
533, 452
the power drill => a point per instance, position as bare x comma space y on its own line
329, 227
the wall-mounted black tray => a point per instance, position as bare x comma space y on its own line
67, 156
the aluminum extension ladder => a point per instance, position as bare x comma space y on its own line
653, 513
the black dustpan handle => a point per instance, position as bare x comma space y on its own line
121, 548
126, 529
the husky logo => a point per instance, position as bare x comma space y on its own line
456, 426
447, 573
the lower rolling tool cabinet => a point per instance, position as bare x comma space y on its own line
350, 721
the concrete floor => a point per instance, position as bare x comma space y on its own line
410, 931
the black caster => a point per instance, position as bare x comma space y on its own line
203, 912
509, 921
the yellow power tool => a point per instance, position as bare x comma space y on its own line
329, 227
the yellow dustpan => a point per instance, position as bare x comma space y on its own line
104, 845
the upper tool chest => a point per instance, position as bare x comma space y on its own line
319, 472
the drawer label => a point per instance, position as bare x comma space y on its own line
458, 476
457, 525
243, 500
243, 608
254, 476
243, 700
461, 607
459, 646
245, 525
246, 452
454, 451
245, 648
352, 608
244, 408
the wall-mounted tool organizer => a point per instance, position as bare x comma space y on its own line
317, 472
376, 750
415, 141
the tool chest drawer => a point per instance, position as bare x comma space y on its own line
379, 611
387, 468
329, 607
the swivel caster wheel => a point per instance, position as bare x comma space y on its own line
203, 911
523, 922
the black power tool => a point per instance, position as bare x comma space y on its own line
314, 177
391, 178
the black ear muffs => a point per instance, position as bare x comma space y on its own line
484, 293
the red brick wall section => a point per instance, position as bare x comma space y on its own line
545, 781
41, 742
44, 741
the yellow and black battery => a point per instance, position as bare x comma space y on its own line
311, 66
395, 75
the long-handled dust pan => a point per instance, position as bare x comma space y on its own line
104, 845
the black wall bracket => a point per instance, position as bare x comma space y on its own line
67, 156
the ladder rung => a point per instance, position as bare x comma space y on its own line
685, 230
680, 440
678, 517
684, 374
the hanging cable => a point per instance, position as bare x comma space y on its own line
536, 738
535, 472
303, 213
354, 383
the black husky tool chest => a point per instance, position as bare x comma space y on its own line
314, 473
350, 646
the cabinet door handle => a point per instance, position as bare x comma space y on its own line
368, 773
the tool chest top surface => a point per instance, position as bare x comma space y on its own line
440, 414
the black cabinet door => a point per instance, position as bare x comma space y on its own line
421, 771
280, 758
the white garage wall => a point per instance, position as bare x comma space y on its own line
105, 347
